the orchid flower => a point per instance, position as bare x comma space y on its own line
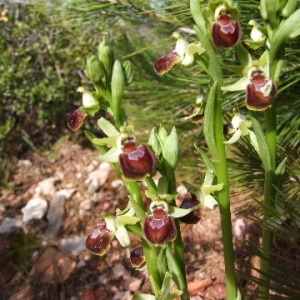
260, 89
183, 53
240, 127
208, 188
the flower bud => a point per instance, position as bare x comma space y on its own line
137, 162
94, 69
98, 241
77, 119
260, 92
137, 258
159, 228
194, 216
106, 57
226, 33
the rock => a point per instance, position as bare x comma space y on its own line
134, 284
9, 225
24, 163
52, 267
72, 245
55, 214
98, 177
26, 293
67, 193
34, 209
127, 295
46, 187
86, 204
117, 183
119, 271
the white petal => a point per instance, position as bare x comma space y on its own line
122, 236
210, 202
181, 46
234, 138
188, 60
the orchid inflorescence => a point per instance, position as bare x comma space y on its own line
218, 28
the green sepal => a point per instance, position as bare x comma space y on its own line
101, 148
177, 212
127, 220
90, 110
107, 127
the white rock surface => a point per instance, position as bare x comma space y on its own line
46, 186
72, 245
34, 209
98, 177
9, 225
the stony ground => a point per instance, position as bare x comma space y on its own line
46, 258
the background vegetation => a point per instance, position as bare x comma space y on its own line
43, 46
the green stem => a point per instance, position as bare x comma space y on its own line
269, 194
150, 251
224, 205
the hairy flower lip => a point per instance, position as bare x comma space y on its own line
166, 63
260, 92
98, 241
226, 33
137, 258
194, 216
159, 228
76, 120
137, 162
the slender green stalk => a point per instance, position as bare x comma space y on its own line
224, 205
269, 195
149, 251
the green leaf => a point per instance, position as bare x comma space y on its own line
209, 117
290, 28
107, 127
167, 285
143, 297
264, 152
279, 172
207, 161
197, 14
177, 212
